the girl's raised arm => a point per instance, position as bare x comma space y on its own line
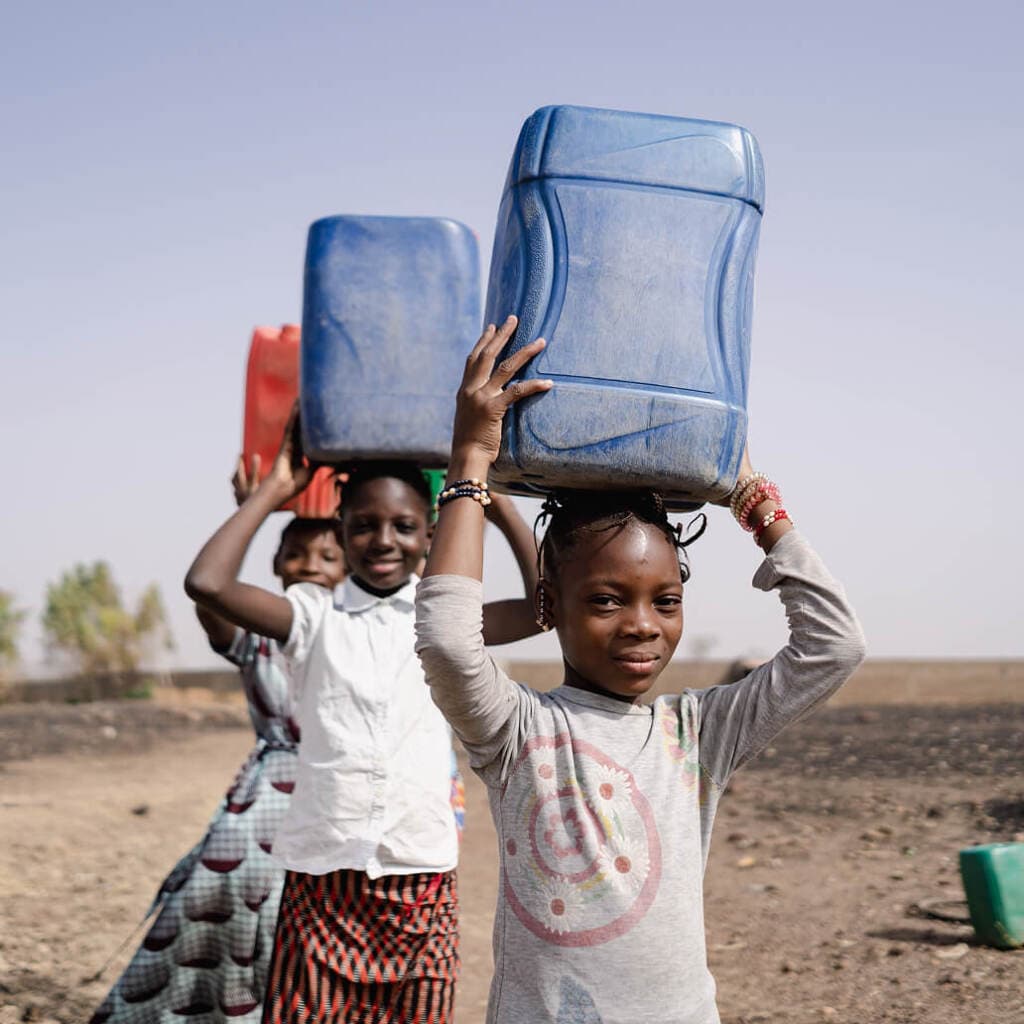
485, 708
212, 580
486, 392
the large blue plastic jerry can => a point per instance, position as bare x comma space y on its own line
628, 242
391, 309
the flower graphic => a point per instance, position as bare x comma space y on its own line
560, 903
624, 863
607, 783
570, 875
545, 777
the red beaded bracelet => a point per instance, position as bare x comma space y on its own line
766, 490
775, 516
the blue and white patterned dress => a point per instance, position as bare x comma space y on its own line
206, 955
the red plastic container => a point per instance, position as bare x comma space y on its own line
271, 387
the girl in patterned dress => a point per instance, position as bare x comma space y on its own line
368, 926
604, 804
206, 956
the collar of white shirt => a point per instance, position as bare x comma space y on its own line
353, 598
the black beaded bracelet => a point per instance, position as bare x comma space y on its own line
451, 493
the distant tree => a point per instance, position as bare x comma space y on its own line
86, 621
11, 619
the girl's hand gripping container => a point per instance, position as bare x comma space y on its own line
271, 387
391, 310
628, 242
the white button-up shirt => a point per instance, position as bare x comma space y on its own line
373, 783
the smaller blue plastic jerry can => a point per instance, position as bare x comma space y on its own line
391, 309
628, 242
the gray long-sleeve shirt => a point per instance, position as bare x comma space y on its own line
604, 809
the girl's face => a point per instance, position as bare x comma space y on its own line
617, 604
313, 556
384, 524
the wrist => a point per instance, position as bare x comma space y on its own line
760, 510
467, 463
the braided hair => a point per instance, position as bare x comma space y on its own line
571, 515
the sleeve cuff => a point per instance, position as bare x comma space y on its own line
774, 567
458, 586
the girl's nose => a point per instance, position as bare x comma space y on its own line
384, 538
641, 622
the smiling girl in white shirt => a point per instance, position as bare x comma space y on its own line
368, 928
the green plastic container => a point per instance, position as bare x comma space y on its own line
435, 477
993, 879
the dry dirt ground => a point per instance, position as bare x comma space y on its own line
825, 851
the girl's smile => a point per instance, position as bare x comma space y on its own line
385, 529
638, 662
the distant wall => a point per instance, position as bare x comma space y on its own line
876, 682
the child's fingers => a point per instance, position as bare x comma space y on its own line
482, 341
256, 466
509, 367
474, 376
523, 389
490, 352
501, 337
481, 360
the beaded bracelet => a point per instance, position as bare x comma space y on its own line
472, 488
777, 515
742, 490
748, 494
766, 490
737, 491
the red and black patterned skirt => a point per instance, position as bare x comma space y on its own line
359, 950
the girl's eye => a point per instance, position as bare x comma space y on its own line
405, 527
669, 603
603, 601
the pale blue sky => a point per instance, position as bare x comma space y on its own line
162, 163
